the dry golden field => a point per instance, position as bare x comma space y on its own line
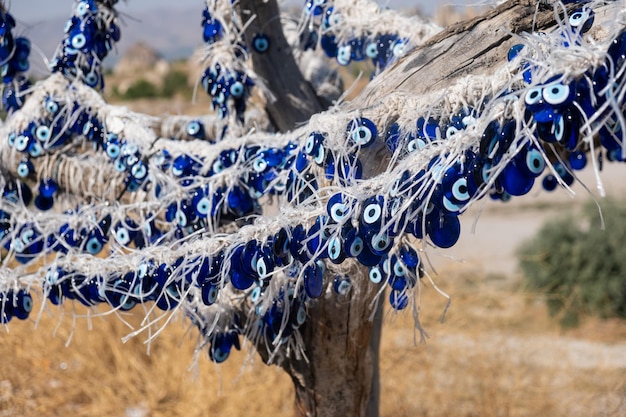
497, 355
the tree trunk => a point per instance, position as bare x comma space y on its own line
294, 100
337, 376
341, 342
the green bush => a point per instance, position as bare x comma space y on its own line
175, 82
580, 267
141, 89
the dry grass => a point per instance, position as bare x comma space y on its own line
497, 355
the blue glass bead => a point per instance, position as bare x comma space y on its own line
95, 241
212, 31
379, 242
362, 132
23, 305
281, 243
515, 181
514, 51
221, 346
314, 279
265, 263
170, 297
48, 187
617, 50
25, 168
329, 45
577, 160
377, 275
210, 292
582, 19
372, 212
240, 279
564, 173
336, 253
342, 285
297, 247
353, 243
339, 207
428, 128
260, 43
367, 257
409, 257
443, 229
118, 293
195, 129
398, 299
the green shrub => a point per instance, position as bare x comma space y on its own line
141, 89
175, 82
580, 267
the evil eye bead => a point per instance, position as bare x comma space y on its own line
342, 285
122, 235
372, 211
82, 8
35, 149
556, 94
237, 89
94, 246
203, 207
259, 165
25, 168
335, 250
533, 96
343, 55
139, 170
371, 50
380, 243
459, 190
51, 106
209, 294
376, 275
23, 306
92, 79
582, 19
21, 143
337, 209
300, 316
78, 41
354, 245
42, 133
320, 156
399, 48
535, 162
362, 132
260, 43
113, 150
193, 128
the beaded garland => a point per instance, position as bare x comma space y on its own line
188, 231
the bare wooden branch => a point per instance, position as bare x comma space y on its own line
294, 99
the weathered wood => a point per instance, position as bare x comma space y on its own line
294, 99
336, 378
477, 46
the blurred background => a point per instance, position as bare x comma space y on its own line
527, 334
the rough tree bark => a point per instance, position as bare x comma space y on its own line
339, 373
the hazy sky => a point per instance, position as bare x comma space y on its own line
35, 10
